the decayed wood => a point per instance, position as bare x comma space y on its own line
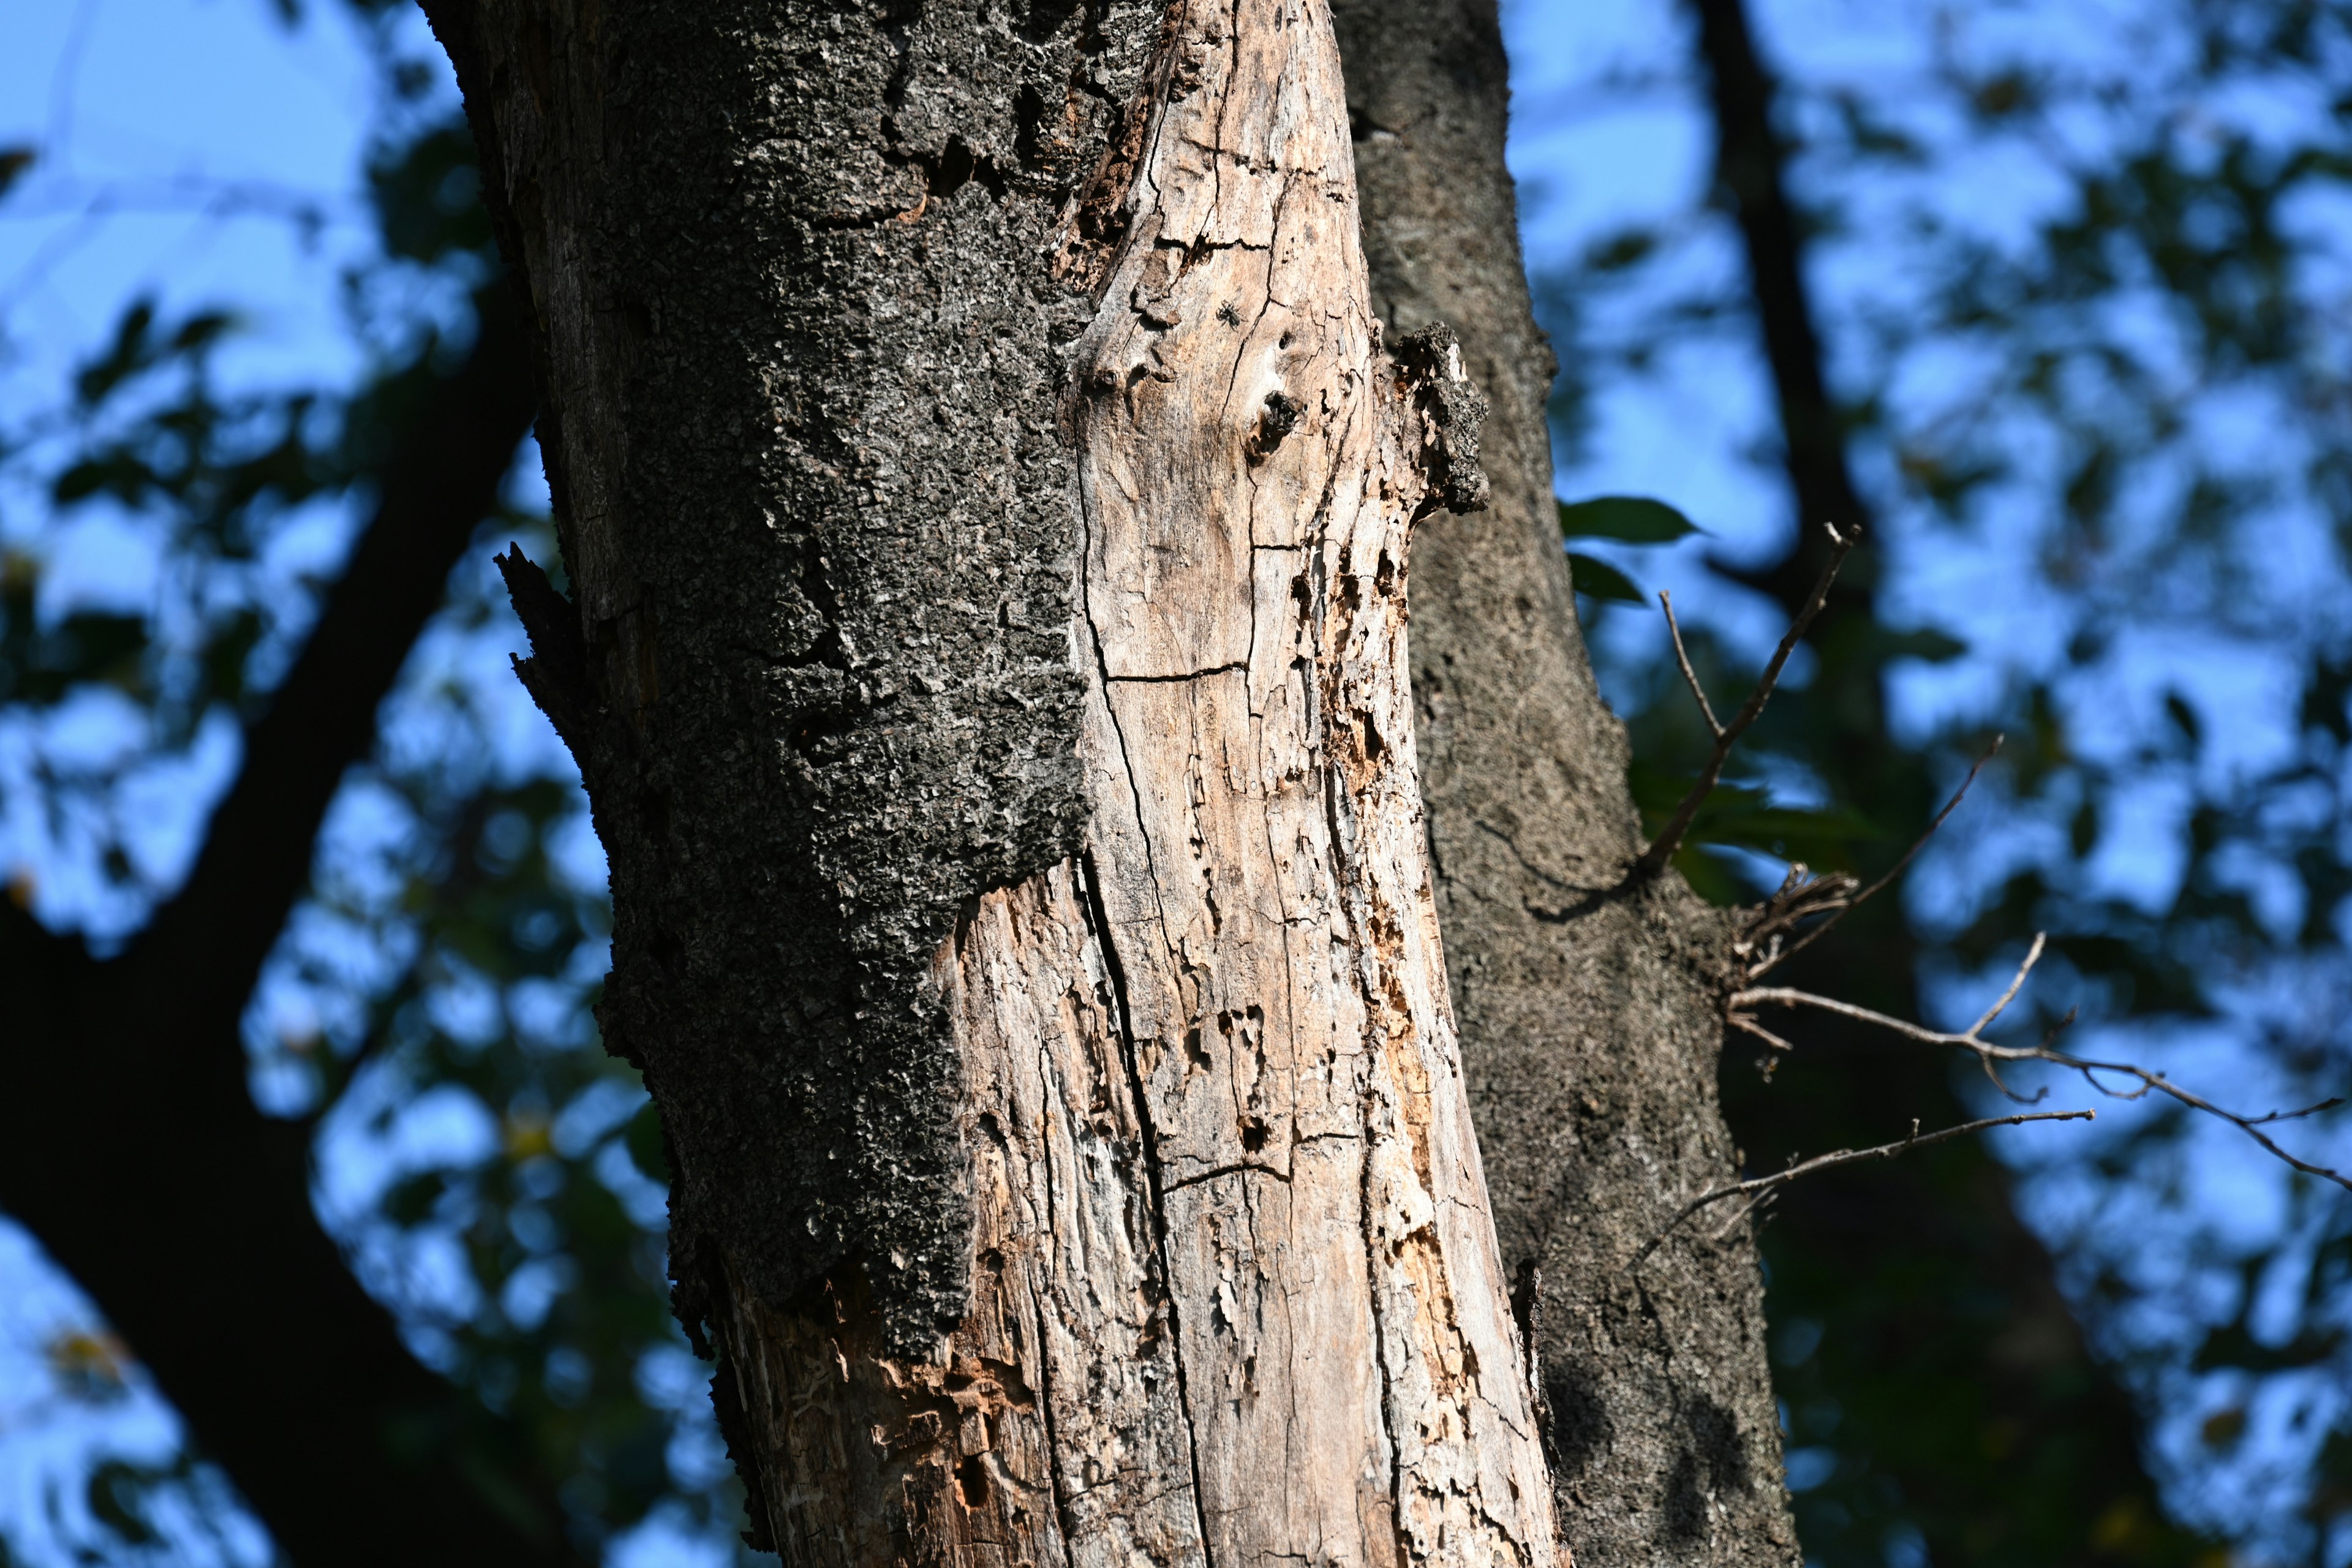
1236, 1296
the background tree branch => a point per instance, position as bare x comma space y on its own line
130, 1145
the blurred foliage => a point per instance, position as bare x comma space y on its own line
515, 1211
493, 1174
2083, 286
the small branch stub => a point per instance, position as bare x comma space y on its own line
556, 673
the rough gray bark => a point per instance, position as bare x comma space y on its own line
1042, 990
1590, 1020
782, 416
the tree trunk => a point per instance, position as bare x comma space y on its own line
987, 502
1590, 1017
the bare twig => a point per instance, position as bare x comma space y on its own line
1759, 1187
1655, 856
1750, 1027
1991, 1056
1674, 628
1771, 922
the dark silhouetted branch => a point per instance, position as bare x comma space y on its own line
128, 1142
1751, 163
556, 673
255, 861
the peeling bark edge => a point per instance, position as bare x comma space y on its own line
1453, 412
556, 674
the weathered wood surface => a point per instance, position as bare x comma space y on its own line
1590, 1012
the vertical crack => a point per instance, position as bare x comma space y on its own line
1099, 918
1061, 1522
1405, 1553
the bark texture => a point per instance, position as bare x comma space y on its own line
1590, 1018
800, 379
988, 502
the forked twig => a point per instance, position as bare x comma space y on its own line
1759, 1187
1782, 911
1990, 1056
1655, 856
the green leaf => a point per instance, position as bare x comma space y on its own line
1710, 876
1814, 834
1602, 581
1743, 816
13, 162
1927, 643
1634, 520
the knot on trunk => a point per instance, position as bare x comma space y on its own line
1452, 412
1279, 418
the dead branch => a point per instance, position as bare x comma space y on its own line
1750, 1027
1992, 1056
1801, 898
1757, 1188
1655, 856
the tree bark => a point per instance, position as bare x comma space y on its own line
987, 501
1590, 1014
